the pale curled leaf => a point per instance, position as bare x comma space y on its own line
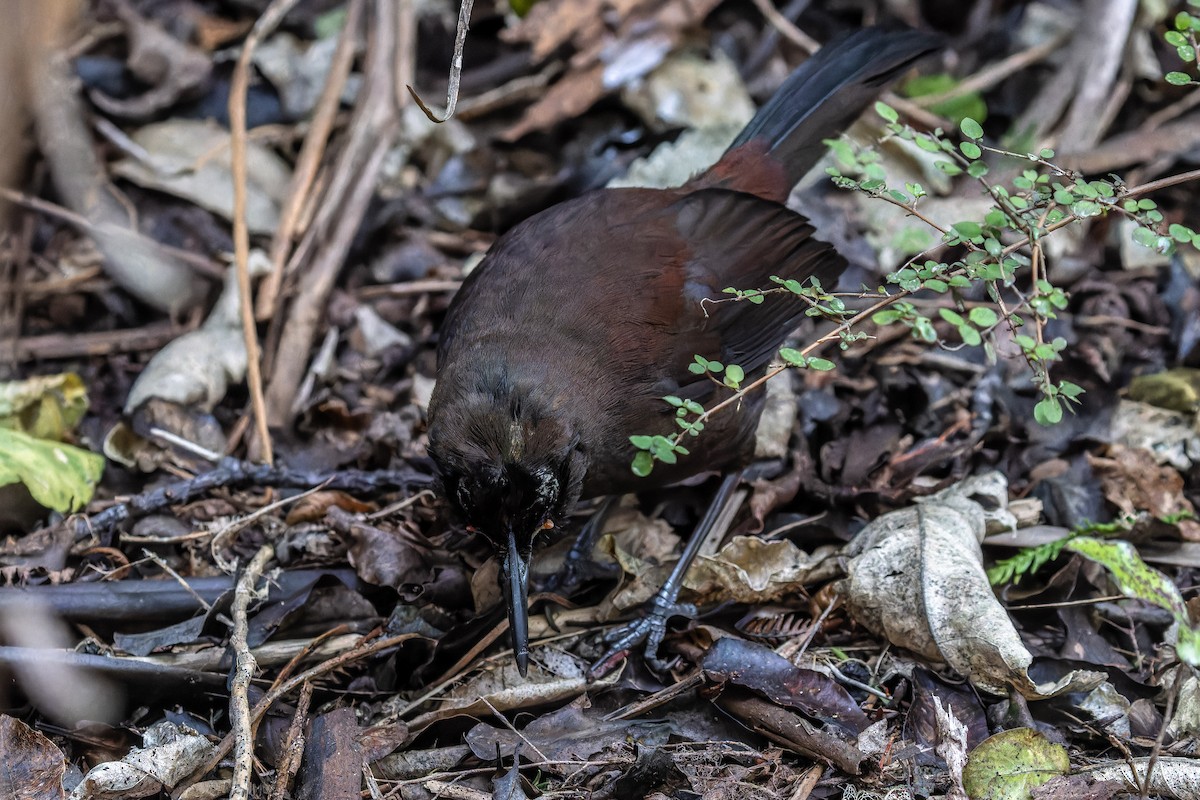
171, 753
190, 159
195, 370
917, 578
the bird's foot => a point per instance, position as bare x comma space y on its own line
650, 629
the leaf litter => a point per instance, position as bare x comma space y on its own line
883, 657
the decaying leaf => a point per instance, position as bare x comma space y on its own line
916, 576
34, 767
44, 406
187, 378
1173, 437
1006, 766
616, 42
169, 754
1134, 481
190, 159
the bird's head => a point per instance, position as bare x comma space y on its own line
509, 473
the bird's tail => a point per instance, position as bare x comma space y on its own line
817, 101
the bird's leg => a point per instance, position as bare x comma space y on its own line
579, 564
653, 625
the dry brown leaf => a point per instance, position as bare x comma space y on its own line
1133, 481
615, 42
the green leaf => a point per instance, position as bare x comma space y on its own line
927, 144
886, 111
970, 336
792, 357
330, 23
1175, 38
936, 285
643, 464
641, 442
951, 316
970, 150
968, 230
971, 129
968, 104
983, 316
820, 364
1046, 152
885, 317
45, 406
58, 476
977, 169
1048, 411
1181, 233
1177, 78
1145, 237
1069, 390
1010, 764
1137, 579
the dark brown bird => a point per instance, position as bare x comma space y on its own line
564, 340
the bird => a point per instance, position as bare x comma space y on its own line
564, 340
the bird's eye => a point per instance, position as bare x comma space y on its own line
548, 525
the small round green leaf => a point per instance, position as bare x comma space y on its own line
970, 128
1048, 411
983, 316
792, 357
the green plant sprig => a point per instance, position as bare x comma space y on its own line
1183, 39
1038, 204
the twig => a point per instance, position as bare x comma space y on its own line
293, 746
343, 204
231, 472
204, 266
229, 530
101, 343
409, 288
239, 695
786, 27
460, 40
270, 698
309, 159
238, 92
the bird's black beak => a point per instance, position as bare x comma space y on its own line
514, 583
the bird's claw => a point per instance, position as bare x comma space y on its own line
650, 629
